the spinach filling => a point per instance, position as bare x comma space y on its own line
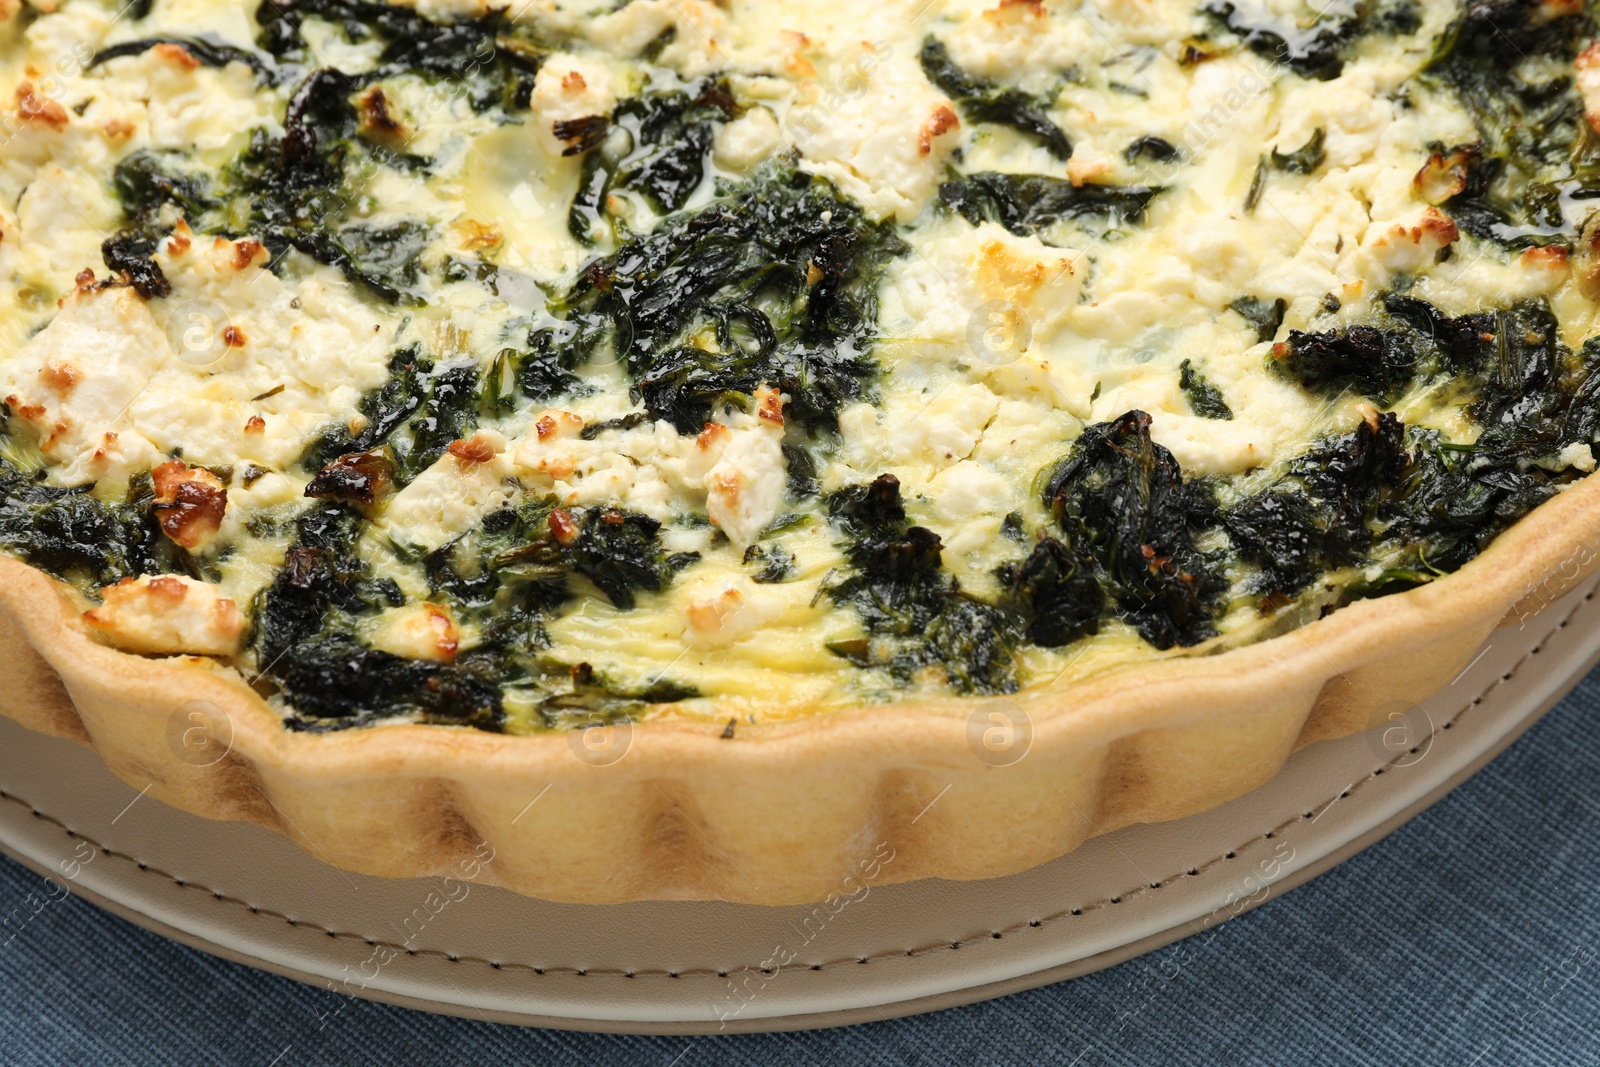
775, 283
1317, 51
1129, 538
1501, 351
1029, 204
80, 538
916, 616
1121, 504
653, 147
302, 190
413, 416
298, 191
506, 579
491, 59
1509, 63
306, 641
983, 101
512, 573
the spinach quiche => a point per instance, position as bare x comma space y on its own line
790, 394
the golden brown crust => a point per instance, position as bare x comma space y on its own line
779, 813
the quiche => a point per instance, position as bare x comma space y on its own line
759, 420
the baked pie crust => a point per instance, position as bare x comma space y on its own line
376, 343
777, 813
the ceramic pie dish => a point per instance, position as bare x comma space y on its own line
684, 452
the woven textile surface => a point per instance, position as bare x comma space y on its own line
1470, 936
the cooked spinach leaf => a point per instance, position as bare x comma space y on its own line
323, 584
294, 191
1305, 159
145, 182
773, 563
774, 283
490, 56
1059, 590
1316, 51
336, 683
1026, 204
983, 101
1265, 315
80, 538
1150, 147
511, 574
656, 149
915, 614
208, 52
1120, 500
306, 643
1205, 399
1317, 516
418, 411
1369, 360
1535, 149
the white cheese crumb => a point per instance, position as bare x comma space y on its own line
168, 615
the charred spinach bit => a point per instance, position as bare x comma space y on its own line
485, 54
1026, 204
1265, 315
417, 412
1305, 159
915, 614
1317, 51
1374, 362
983, 101
779, 276
1205, 399
79, 538
359, 478
128, 253
1120, 500
657, 148
208, 52
1535, 147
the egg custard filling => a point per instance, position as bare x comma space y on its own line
530, 366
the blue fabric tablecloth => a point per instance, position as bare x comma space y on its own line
1468, 937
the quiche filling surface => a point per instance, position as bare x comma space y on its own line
576, 361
